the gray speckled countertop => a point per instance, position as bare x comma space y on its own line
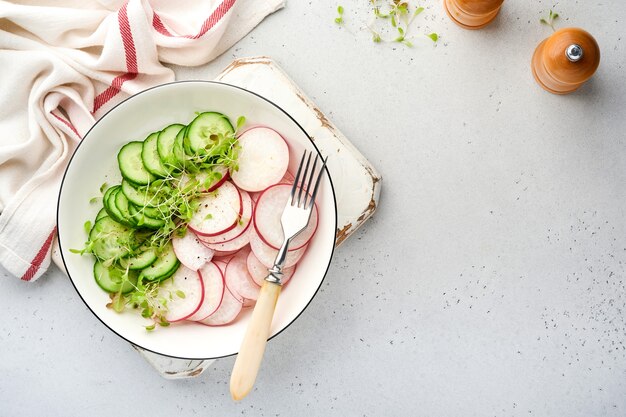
491, 281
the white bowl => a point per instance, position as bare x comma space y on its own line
94, 163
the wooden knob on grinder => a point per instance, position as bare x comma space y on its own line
565, 60
472, 14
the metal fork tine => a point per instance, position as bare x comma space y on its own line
297, 179
317, 184
306, 170
309, 184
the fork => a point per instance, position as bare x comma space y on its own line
294, 220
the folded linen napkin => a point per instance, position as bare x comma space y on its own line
63, 64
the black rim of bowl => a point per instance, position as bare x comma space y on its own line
204, 82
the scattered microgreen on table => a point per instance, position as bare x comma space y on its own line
339, 18
390, 21
550, 19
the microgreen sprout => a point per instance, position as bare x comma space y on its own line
339, 18
400, 15
550, 19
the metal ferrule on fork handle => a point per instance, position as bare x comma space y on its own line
276, 272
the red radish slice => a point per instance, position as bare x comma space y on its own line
191, 285
242, 223
263, 159
248, 303
190, 251
226, 313
259, 272
235, 244
267, 254
218, 212
213, 281
288, 178
267, 214
225, 176
238, 278
202, 177
221, 254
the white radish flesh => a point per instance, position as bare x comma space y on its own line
242, 223
218, 212
190, 251
187, 283
235, 244
267, 254
226, 313
259, 272
238, 278
267, 214
263, 159
213, 282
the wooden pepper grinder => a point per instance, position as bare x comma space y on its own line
472, 14
565, 60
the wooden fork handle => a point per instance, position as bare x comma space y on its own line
250, 355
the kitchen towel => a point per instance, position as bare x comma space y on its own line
63, 64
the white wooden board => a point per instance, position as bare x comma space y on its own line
356, 182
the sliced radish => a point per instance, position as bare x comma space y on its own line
221, 254
288, 178
201, 177
221, 264
263, 159
267, 255
267, 214
226, 313
238, 278
242, 223
217, 184
190, 251
213, 281
235, 244
187, 283
248, 303
218, 212
259, 272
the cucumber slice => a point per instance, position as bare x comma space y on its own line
178, 149
112, 240
121, 203
164, 267
102, 213
111, 207
165, 147
112, 279
140, 261
141, 197
204, 130
131, 164
150, 156
143, 220
155, 213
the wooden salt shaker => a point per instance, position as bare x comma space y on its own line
472, 14
565, 60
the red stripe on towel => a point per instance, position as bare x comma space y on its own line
214, 19
131, 61
39, 258
68, 124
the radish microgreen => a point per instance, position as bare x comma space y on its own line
400, 15
550, 19
339, 18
